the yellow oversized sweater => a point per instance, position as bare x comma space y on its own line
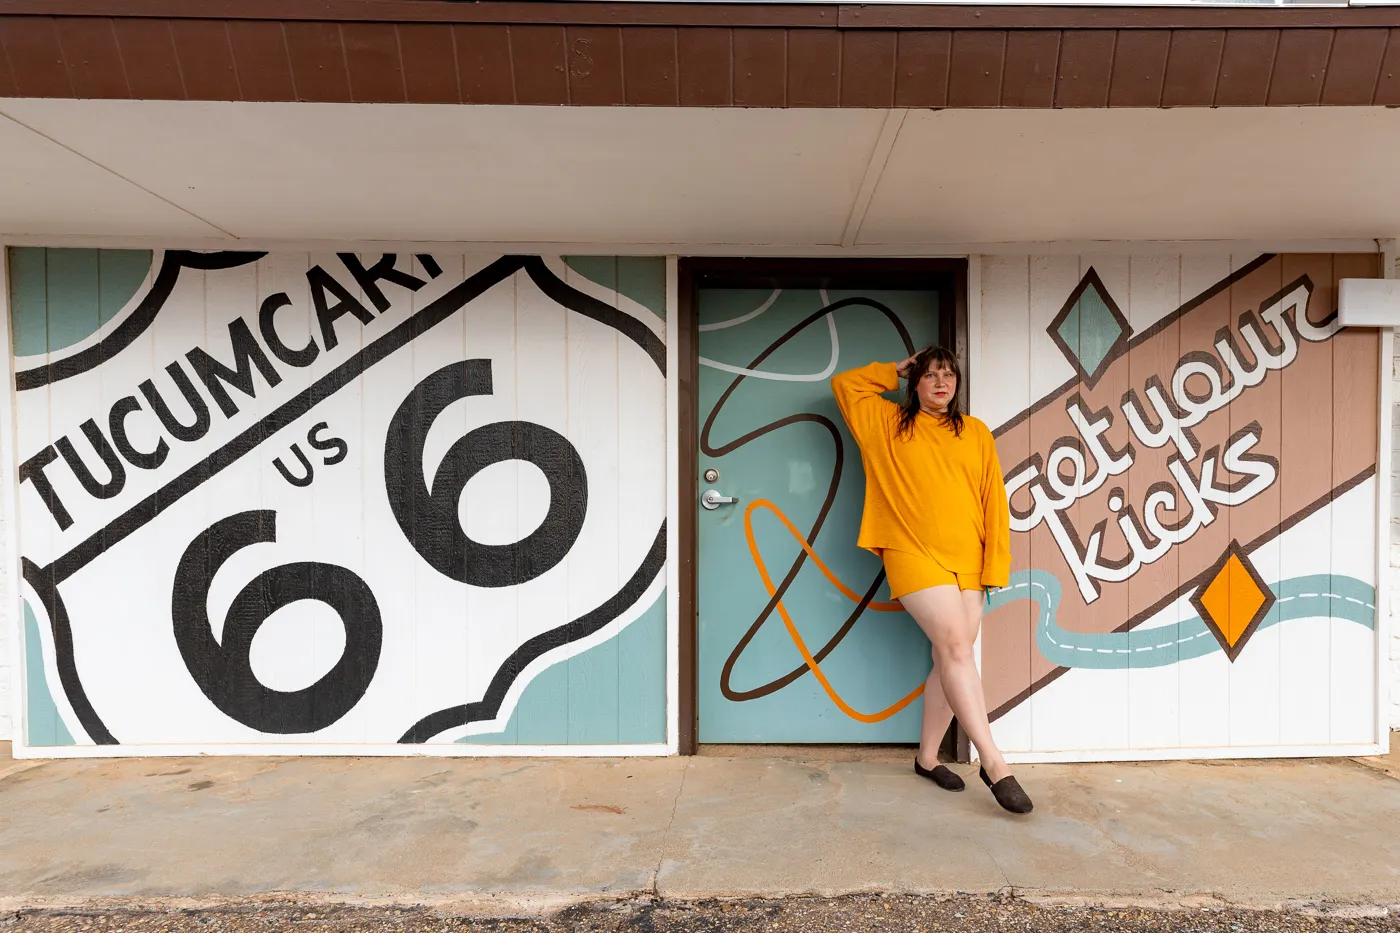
932, 493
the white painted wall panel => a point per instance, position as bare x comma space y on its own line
421, 502
1154, 693
1393, 648
1243, 619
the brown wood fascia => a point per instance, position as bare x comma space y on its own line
774, 15
699, 54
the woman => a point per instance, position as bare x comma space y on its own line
936, 514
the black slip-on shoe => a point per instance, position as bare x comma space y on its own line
1008, 793
943, 777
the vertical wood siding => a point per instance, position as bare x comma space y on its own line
1244, 616
341, 498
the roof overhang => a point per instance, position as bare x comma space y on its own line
663, 179
824, 55
697, 126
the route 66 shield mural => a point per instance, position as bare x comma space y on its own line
340, 499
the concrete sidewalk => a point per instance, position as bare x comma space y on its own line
512, 833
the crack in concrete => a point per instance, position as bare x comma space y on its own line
666, 833
974, 842
1002, 871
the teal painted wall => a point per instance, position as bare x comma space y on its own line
641, 278
43, 726
60, 296
612, 694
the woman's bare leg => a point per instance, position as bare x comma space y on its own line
938, 715
949, 618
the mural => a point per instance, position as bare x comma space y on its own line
341, 499
1190, 445
1190, 460
783, 590
347, 499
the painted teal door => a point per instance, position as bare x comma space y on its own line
797, 641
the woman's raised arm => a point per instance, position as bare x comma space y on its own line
858, 394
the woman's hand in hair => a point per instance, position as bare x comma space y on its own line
902, 368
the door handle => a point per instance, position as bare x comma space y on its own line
711, 499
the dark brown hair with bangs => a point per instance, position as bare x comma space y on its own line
909, 410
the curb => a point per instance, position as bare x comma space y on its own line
504, 906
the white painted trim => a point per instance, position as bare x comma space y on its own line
673, 505
1189, 754
874, 169
9, 517
1383, 491
893, 250
974, 329
268, 749
620, 751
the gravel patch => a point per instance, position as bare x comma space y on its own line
855, 914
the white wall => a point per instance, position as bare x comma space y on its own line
1395, 546
1305, 687
561, 591
9, 676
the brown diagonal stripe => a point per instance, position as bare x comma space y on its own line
1293, 407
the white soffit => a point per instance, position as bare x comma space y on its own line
346, 172
449, 173
45, 189
1256, 173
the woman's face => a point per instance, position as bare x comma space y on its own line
937, 387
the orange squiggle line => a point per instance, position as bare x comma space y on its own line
821, 565
812, 664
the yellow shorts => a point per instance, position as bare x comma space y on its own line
909, 573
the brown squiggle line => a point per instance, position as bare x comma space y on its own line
779, 683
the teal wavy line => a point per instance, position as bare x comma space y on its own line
1313, 596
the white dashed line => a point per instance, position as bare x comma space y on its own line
1050, 601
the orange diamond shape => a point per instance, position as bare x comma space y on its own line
1234, 600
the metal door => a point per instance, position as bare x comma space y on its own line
797, 639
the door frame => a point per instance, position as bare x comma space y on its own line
947, 276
